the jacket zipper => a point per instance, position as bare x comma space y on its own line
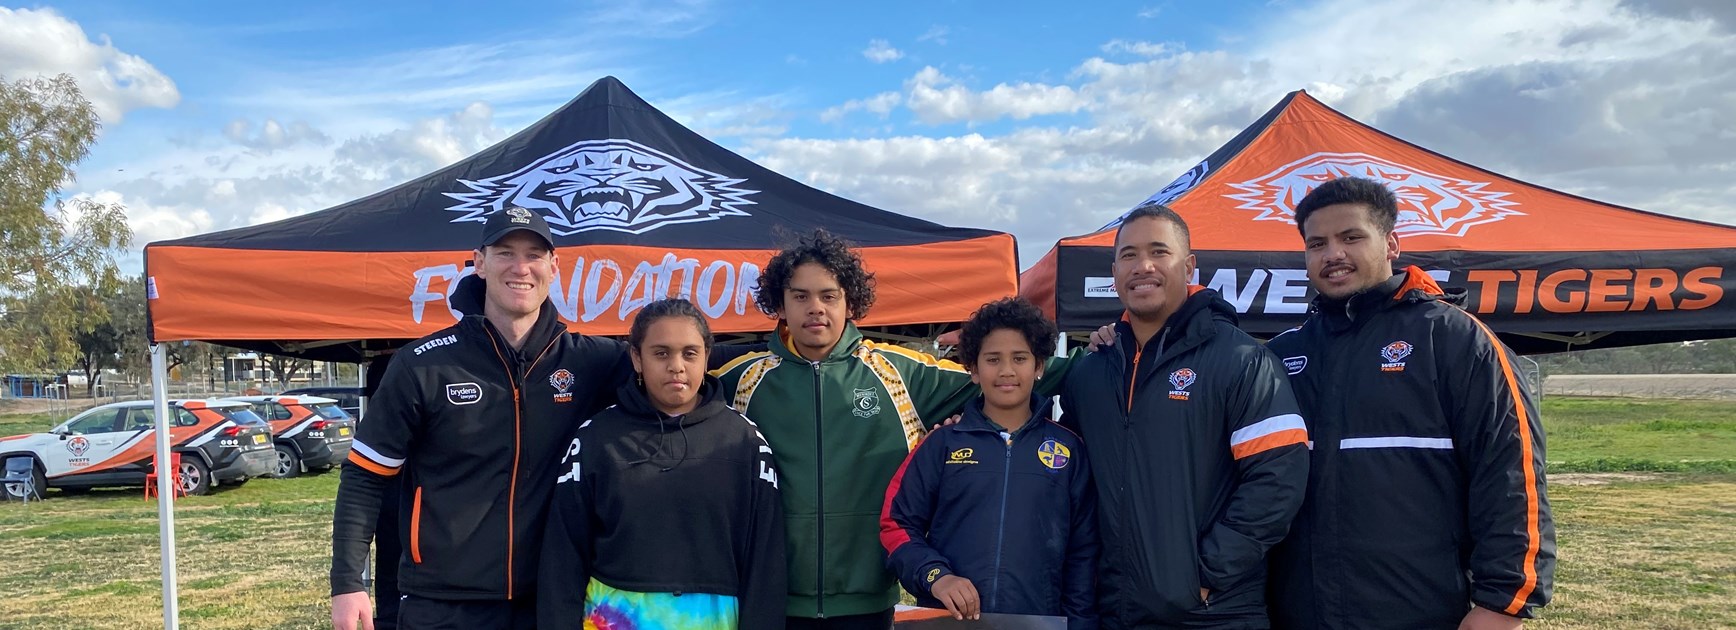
1132, 380
1001, 528
416, 527
819, 504
517, 445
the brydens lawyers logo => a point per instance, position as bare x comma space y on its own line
1427, 203
617, 185
463, 393
1394, 353
562, 381
1180, 380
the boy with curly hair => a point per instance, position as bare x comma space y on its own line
996, 513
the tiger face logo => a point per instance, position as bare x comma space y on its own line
1396, 351
562, 381
77, 445
1427, 203
1393, 355
1180, 380
617, 185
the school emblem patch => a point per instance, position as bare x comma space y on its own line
1180, 380
1054, 454
867, 403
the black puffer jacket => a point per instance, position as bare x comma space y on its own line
1199, 459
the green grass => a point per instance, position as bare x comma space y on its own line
1647, 550
19, 424
1624, 434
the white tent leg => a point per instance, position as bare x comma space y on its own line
361, 410
1060, 351
166, 482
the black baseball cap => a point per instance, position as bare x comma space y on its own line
512, 220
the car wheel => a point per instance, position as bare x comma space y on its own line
288, 465
15, 491
195, 476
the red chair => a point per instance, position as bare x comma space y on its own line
174, 467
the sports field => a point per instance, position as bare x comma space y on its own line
1644, 494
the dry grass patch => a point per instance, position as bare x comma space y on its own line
1657, 554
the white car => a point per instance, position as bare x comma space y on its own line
113, 445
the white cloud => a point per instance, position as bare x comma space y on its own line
1143, 49
428, 144
219, 184
880, 104
272, 135
936, 34
1627, 102
881, 51
43, 42
937, 99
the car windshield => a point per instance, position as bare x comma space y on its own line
241, 415
331, 411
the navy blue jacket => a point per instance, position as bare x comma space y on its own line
1015, 515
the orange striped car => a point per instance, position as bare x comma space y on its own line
113, 445
310, 433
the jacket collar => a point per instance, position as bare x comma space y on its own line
1410, 286
1189, 326
548, 326
781, 345
975, 419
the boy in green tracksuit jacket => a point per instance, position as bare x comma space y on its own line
840, 412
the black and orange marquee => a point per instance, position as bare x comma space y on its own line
641, 208
1548, 270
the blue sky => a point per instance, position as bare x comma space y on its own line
1042, 120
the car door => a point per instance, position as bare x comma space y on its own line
85, 441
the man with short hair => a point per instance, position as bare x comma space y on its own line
1198, 453
1426, 504
470, 419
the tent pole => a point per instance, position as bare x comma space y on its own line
1060, 351
362, 382
167, 480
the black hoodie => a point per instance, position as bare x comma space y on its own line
649, 503
1200, 460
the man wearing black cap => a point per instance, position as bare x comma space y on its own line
470, 420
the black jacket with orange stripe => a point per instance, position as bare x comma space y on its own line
476, 430
1426, 493
1199, 458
